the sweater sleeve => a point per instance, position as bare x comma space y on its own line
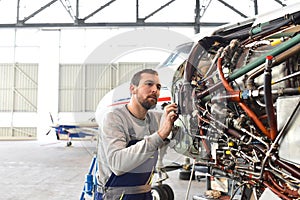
114, 138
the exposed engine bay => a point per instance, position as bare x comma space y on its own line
239, 98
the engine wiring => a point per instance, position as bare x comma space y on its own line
229, 93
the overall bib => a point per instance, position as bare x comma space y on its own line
133, 185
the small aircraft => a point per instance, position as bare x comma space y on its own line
74, 129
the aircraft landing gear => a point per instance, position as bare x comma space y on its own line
169, 191
162, 192
69, 143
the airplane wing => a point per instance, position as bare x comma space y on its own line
81, 132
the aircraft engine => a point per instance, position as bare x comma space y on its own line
239, 100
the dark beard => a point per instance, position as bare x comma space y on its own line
147, 105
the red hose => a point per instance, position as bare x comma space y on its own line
249, 112
284, 190
282, 196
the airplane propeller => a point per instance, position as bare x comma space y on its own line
52, 121
48, 131
51, 118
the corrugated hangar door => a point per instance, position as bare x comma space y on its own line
18, 100
81, 87
125, 70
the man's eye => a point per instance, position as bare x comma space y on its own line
149, 84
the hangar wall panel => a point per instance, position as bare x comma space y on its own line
82, 86
100, 79
18, 87
69, 74
26, 77
127, 69
6, 87
17, 133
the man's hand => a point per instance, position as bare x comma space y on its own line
169, 117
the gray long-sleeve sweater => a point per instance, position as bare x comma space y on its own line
117, 128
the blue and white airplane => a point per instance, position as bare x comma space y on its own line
74, 129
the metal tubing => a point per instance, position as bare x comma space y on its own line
268, 98
259, 61
276, 61
249, 112
274, 52
290, 168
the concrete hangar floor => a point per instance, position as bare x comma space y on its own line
53, 171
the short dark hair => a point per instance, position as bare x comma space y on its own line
135, 80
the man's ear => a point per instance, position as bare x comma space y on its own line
132, 89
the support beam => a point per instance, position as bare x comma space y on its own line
159, 9
68, 7
255, 7
98, 10
38, 11
137, 10
116, 24
232, 8
197, 17
77, 9
280, 2
199, 8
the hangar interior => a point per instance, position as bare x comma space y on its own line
59, 58
45, 46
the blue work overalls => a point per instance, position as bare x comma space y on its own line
131, 181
